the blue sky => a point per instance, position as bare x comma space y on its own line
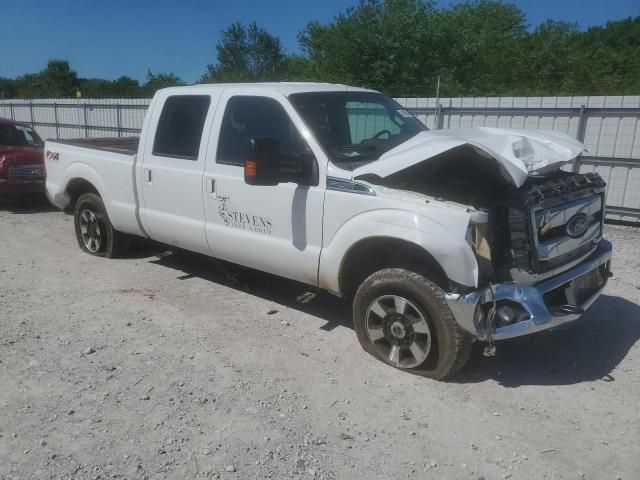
110, 38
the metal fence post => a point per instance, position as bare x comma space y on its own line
580, 135
13, 114
118, 115
86, 123
55, 119
582, 123
439, 120
31, 111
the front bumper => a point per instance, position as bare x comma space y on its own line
539, 302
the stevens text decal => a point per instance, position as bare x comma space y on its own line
245, 221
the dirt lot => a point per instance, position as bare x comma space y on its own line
156, 367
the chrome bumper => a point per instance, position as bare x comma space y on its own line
540, 316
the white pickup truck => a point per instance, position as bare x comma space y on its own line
441, 238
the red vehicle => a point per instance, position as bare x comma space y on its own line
22, 168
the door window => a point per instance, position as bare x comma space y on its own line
180, 126
256, 117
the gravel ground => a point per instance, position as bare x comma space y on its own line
154, 366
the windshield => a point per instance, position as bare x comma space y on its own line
355, 128
19, 136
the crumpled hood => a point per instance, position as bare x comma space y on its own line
520, 152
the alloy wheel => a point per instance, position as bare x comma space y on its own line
399, 331
90, 231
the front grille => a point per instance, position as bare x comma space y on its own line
31, 172
555, 221
555, 243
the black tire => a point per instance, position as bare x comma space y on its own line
449, 346
112, 243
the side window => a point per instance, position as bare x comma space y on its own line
255, 117
368, 119
29, 136
8, 135
180, 126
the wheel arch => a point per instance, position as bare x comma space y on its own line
436, 242
371, 254
76, 187
79, 178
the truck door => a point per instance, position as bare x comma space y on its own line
277, 229
171, 170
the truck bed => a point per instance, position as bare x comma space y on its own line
107, 164
126, 145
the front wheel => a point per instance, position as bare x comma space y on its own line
94, 231
401, 318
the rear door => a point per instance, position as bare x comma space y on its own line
172, 167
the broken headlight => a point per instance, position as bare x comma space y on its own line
478, 238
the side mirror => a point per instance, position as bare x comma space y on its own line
263, 165
268, 166
301, 168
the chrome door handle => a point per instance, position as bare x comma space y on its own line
148, 176
211, 185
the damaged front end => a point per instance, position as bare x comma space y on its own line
538, 240
510, 309
546, 262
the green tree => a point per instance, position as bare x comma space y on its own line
156, 81
127, 87
298, 68
7, 88
385, 45
123, 87
607, 59
478, 47
57, 80
403, 46
548, 60
247, 54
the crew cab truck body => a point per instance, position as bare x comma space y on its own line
441, 238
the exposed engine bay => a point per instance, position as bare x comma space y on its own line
527, 232
464, 174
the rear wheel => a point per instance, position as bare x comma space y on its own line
401, 318
94, 231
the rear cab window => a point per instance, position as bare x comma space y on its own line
19, 136
179, 130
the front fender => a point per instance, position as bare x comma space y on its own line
440, 232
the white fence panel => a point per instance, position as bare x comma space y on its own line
608, 125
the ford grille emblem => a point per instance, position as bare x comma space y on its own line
577, 225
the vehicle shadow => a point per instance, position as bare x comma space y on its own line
26, 204
585, 350
334, 311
